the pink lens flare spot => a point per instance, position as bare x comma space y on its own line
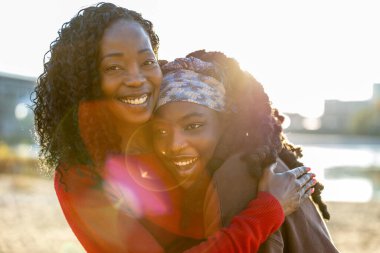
133, 188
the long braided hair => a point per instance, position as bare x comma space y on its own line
64, 128
254, 125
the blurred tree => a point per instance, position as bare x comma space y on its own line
366, 121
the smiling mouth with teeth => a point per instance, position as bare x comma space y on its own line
134, 100
185, 162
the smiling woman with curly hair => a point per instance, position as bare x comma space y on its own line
71, 76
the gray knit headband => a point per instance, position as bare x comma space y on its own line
183, 83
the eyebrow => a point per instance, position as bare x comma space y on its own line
119, 54
184, 118
194, 114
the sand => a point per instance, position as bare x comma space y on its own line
355, 227
31, 220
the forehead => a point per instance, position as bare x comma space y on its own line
124, 34
180, 110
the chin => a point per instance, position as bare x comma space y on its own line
139, 119
133, 117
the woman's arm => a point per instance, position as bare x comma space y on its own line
248, 230
263, 215
102, 227
99, 228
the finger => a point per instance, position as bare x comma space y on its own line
307, 194
307, 186
299, 171
310, 183
305, 178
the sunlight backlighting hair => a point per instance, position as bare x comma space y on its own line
71, 78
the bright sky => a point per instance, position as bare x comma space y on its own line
302, 51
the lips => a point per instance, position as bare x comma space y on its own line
185, 162
183, 166
134, 100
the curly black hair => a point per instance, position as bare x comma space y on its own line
71, 77
255, 126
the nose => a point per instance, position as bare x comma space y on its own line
134, 77
178, 142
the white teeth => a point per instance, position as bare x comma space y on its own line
184, 163
135, 101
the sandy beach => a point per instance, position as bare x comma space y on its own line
31, 220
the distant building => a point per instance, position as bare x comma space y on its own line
16, 118
296, 122
337, 114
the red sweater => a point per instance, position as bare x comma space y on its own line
102, 224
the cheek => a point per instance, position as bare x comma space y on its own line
107, 86
156, 80
159, 146
207, 147
211, 148
210, 142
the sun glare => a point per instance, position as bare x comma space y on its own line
21, 111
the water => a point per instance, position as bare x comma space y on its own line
340, 162
349, 167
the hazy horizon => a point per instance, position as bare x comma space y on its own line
302, 52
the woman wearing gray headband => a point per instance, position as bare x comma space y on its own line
192, 108
251, 139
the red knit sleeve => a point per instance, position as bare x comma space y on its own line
97, 225
249, 229
72, 216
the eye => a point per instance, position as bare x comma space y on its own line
113, 68
150, 62
193, 126
160, 132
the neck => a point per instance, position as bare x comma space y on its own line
134, 139
125, 132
